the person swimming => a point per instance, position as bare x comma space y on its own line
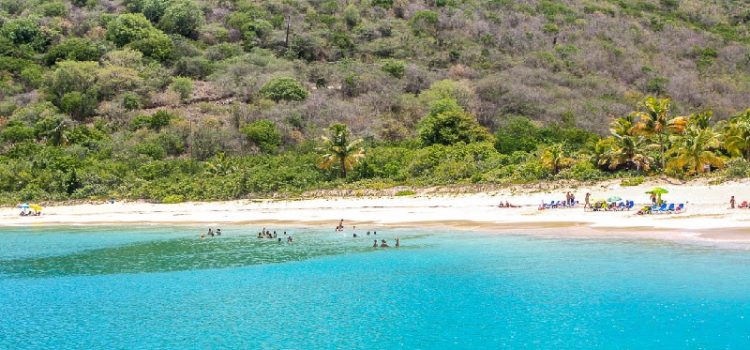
383, 244
398, 243
375, 243
210, 232
289, 239
354, 235
279, 240
274, 234
218, 232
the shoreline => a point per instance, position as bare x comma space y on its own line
707, 217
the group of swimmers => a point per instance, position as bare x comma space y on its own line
368, 233
211, 233
266, 234
384, 244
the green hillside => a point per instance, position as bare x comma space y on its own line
175, 100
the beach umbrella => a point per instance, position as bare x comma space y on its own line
614, 199
658, 191
24, 206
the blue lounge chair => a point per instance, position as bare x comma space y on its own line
663, 208
670, 209
631, 204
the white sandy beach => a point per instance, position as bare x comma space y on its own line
707, 216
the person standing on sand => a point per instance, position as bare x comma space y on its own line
588, 201
653, 199
732, 202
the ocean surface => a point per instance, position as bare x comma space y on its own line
164, 288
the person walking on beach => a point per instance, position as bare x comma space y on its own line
588, 201
732, 202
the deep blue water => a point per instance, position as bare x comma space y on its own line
163, 288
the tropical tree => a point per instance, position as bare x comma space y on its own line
625, 148
630, 152
655, 119
693, 151
221, 165
340, 151
447, 123
554, 158
737, 135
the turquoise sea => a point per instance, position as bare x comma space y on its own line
163, 288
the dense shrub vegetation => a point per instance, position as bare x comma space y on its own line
175, 100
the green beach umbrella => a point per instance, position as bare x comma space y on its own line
614, 199
658, 191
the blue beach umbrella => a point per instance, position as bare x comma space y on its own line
24, 206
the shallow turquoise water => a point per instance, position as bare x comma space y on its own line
162, 288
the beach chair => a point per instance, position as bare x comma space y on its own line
631, 205
654, 209
743, 205
670, 209
680, 208
662, 208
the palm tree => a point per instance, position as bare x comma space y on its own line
554, 158
693, 151
737, 135
629, 152
221, 165
338, 150
623, 125
625, 148
654, 119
